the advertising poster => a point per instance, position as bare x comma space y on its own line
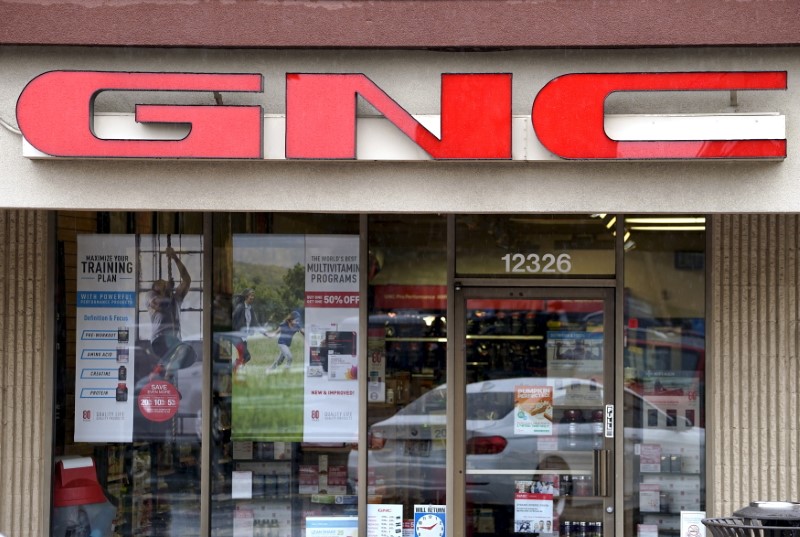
533, 410
300, 326
692, 524
430, 520
106, 318
243, 523
241, 485
332, 526
533, 512
649, 458
574, 346
649, 498
136, 340
575, 360
259, 518
384, 520
647, 530
674, 396
376, 364
543, 484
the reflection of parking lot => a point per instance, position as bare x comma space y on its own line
407, 450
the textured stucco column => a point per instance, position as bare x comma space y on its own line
753, 373
24, 411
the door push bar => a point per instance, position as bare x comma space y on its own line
602, 460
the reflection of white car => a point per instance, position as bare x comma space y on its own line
183, 367
407, 450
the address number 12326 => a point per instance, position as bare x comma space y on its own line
535, 263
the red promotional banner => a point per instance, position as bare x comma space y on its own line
411, 297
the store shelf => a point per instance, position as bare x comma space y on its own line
504, 337
416, 339
642, 474
326, 448
527, 471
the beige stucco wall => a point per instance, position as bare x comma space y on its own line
24, 399
754, 371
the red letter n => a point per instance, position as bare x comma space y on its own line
321, 116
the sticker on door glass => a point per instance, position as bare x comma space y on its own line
533, 512
533, 410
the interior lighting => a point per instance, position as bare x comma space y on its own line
668, 228
667, 220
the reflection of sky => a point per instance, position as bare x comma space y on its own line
280, 250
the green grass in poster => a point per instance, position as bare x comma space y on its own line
268, 404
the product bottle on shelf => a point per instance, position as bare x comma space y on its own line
597, 429
570, 438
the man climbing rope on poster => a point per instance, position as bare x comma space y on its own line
164, 304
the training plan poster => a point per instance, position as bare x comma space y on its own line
106, 317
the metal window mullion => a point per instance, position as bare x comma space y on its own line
363, 422
456, 395
208, 389
619, 368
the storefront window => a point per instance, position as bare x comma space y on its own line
535, 246
284, 422
664, 371
534, 366
407, 351
128, 439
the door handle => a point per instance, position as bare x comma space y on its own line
602, 459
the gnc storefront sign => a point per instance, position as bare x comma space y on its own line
55, 113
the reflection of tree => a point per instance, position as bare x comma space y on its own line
277, 293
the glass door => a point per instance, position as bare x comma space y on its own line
538, 415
